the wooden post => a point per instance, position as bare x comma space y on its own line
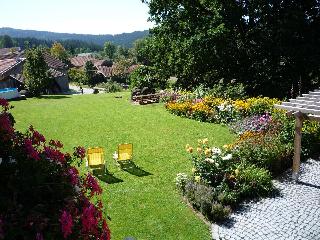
297, 146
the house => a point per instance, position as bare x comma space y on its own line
11, 67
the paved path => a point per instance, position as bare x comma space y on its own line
294, 215
76, 90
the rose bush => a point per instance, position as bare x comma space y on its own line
42, 196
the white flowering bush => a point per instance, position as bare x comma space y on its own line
181, 181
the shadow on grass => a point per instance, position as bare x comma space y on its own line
54, 97
133, 169
106, 176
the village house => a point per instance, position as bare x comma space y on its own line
11, 67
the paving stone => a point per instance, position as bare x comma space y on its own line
295, 214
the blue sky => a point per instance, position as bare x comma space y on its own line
76, 16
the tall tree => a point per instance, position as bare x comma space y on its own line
109, 50
268, 45
6, 42
59, 52
36, 72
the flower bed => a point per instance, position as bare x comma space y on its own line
221, 179
218, 110
42, 196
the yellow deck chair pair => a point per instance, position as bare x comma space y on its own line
124, 154
95, 159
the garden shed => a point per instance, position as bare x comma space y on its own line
306, 107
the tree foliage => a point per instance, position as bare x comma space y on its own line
109, 50
270, 46
58, 51
36, 72
6, 42
77, 76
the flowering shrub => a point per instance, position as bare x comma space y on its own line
225, 176
220, 110
256, 123
42, 196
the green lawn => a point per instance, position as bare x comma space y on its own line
143, 207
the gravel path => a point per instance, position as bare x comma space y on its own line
293, 215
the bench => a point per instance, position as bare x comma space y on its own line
146, 99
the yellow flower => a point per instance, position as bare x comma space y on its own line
205, 141
187, 146
207, 152
193, 170
197, 179
199, 150
199, 141
190, 150
236, 172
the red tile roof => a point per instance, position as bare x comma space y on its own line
106, 71
53, 62
80, 61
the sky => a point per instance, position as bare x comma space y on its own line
76, 16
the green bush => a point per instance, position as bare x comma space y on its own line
145, 76
110, 87
266, 151
227, 91
219, 212
253, 181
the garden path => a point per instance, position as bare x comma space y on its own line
293, 214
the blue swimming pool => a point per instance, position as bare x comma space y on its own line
7, 89
9, 93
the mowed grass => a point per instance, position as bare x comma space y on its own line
145, 207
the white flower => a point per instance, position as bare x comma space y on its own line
115, 155
209, 160
216, 150
227, 157
217, 164
221, 107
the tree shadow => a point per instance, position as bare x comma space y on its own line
308, 184
106, 176
133, 169
53, 97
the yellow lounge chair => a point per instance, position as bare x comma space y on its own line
125, 152
95, 159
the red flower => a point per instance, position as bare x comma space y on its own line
90, 219
79, 152
91, 183
37, 138
56, 144
39, 236
4, 103
54, 154
74, 175
32, 153
66, 223
105, 235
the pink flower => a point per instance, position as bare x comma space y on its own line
39, 236
79, 152
5, 124
56, 144
74, 177
91, 183
37, 138
66, 223
54, 154
31, 152
105, 235
89, 219
4, 103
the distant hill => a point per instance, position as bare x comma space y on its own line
124, 39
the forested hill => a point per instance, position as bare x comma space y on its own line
124, 39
